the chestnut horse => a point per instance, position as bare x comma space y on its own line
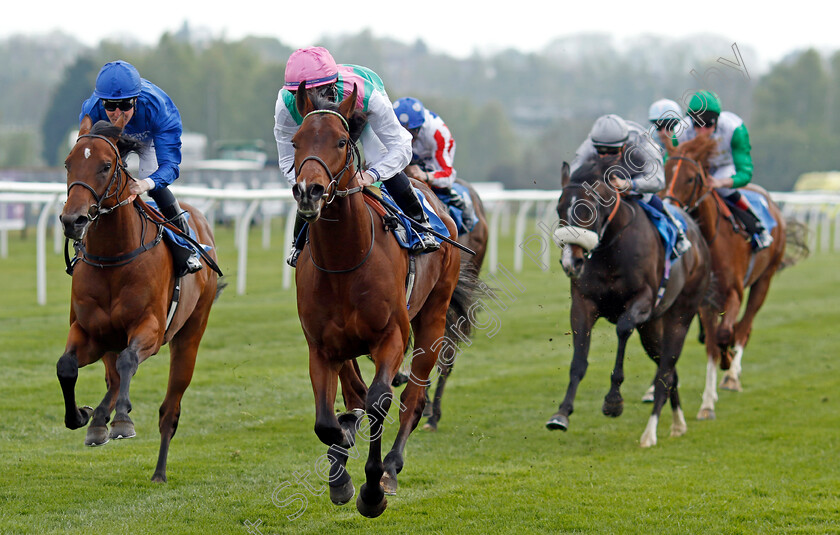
122, 290
735, 266
475, 240
615, 259
351, 298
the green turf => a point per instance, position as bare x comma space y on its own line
768, 464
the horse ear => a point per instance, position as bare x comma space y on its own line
348, 105
84, 128
670, 149
121, 122
565, 175
302, 101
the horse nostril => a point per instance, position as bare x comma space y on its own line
316, 191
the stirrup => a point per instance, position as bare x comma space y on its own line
682, 246
762, 240
427, 244
292, 259
194, 264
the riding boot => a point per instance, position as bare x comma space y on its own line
174, 214
300, 240
682, 244
461, 203
404, 195
760, 237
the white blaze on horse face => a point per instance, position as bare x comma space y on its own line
87, 153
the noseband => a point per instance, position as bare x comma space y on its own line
332, 189
612, 215
96, 210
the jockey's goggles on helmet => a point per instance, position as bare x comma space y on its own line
123, 105
667, 124
605, 150
708, 120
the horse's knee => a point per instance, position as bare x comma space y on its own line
127, 363
330, 433
67, 368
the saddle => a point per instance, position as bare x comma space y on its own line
396, 221
456, 202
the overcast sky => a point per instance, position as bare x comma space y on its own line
454, 27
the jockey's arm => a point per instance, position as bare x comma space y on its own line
167, 141
285, 128
741, 157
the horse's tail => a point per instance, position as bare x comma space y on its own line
220, 286
466, 292
796, 243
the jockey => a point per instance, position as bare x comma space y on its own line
613, 137
667, 123
387, 146
433, 151
153, 120
731, 167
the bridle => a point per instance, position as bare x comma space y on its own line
95, 210
610, 217
698, 180
333, 190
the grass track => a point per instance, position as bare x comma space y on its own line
768, 464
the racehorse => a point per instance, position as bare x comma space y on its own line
476, 240
615, 259
351, 298
122, 289
735, 266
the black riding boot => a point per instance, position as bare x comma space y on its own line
187, 262
400, 189
761, 239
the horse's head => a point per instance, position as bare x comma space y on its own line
686, 171
324, 150
96, 166
586, 206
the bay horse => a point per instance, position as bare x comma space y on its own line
735, 267
351, 299
616, 261
476, 240
121, 292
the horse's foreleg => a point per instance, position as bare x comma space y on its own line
636, 312
707, 407
141, 345
434, 411
387, 356
97, 433
583, 316
758, 292
77, 353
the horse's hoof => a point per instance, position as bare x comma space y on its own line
388, 484
159, 478
612, 409
430, 426
399, 379
730, 383
80, 419
648, 440
370, 511
706, 414
427, 411
97, 436
558, 421
648, 397
678, 430
343, 493
123, 429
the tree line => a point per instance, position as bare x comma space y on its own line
515, 116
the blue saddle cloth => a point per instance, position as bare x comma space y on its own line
760, 207
454, 212
405, 234
667, 231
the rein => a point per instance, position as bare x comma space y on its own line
114, 181
700, 174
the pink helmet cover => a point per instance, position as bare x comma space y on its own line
314, 64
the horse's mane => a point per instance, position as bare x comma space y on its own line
699, 149
125, 144
357, 121
592, 167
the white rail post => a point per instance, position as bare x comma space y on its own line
243, 227
41, 248
521, 221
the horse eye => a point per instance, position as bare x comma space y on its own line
342, 143
294, 145
107, 166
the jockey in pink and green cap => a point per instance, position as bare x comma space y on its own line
387, 145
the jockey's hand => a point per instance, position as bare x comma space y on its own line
621, 184
138, 187
366, 179
414, 171
721, 182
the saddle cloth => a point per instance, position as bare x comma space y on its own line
405, 234
454, 212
